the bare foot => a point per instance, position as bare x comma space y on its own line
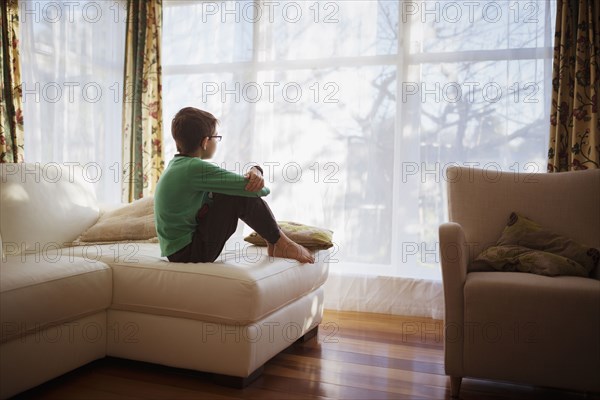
287, 248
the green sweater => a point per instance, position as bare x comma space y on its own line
182, 190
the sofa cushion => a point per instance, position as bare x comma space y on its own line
240, 287
44, 204
38, 290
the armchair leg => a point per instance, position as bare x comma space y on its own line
455, 382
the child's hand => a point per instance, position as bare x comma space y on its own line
256, 180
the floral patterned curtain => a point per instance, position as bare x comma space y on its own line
11, 114
142, 100
575, 127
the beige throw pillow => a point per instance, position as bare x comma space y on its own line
526, 246
522, 231
310, 237
134, 221
514, 258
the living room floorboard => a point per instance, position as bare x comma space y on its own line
355, 356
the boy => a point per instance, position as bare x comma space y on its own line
197, 204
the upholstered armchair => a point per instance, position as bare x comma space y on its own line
515, 326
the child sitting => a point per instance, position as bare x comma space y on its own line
197, 204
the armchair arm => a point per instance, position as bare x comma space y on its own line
455, 257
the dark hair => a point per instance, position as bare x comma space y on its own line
189, 126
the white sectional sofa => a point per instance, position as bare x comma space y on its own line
63, 306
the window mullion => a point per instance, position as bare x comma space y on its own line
402, 62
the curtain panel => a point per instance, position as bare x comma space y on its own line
11, 114
575, 126
142, 104
72, 61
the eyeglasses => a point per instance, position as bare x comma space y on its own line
217, 138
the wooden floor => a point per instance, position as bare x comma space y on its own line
355, 356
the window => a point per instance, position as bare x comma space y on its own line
356, 107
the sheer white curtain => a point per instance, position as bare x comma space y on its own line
72, 71
356, 108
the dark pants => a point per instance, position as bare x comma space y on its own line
219, 222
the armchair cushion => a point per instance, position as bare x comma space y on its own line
524, 232
526, 246
533, 329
